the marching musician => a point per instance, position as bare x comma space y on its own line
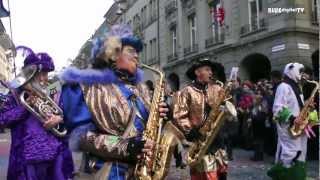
107, 107
191, 107
35, 152
288, 103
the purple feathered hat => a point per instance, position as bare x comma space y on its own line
42, 60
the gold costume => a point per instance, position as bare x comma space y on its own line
114, 119
189, 111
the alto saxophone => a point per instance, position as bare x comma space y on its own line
212, 125
297, 129
165, 136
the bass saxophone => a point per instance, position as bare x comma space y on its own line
165, 136
212, 125
44, 106
297, 129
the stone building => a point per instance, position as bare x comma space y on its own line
7, 53
247, 34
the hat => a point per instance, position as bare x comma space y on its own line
248, 83
42, 60
217, 69
118, 36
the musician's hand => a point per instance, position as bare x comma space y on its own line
163, 109
185, 124
52, 121
147, 148
299, 121
31, 99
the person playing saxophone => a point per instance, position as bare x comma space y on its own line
108, 105
35, 152
292, 148
191, 107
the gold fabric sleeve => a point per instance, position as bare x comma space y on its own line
180, 108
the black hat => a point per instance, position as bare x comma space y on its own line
217, 69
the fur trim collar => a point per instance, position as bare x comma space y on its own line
94, 76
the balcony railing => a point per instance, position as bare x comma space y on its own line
171, 7
191, 49
172, 57
254, 26
215, 40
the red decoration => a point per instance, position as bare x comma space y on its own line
218, 15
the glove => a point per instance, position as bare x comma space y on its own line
134, 148
194, 134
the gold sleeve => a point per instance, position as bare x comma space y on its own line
105, 146
180, 108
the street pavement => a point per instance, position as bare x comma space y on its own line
241, 168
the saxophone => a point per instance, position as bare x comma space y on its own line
165, 136
212, 125
297, 129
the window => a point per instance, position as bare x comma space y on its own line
143, 15
193, 30
255, 11
130, 23
216, 27
145, 52
151, 49
155, 8
151, 9
314, 11
174, 40
154, 48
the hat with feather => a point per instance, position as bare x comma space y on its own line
110, 44
42, 60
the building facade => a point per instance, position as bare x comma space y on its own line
7, 54
248, 34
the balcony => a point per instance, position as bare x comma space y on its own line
171, 7
172, 57
191, 49
256, 26
215, 40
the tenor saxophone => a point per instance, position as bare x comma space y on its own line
212, 125
297, 129
165, 136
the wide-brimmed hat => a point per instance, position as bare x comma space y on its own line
217, 69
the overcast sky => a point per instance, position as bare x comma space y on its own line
58, 27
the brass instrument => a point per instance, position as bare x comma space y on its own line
297, 129
212, 125
44, 106
156, 167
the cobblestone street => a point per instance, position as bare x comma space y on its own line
241, 168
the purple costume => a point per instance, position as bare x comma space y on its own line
35, 153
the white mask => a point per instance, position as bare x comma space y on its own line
293, 71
